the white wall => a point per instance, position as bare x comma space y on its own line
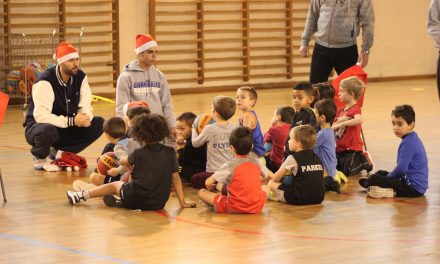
402, 45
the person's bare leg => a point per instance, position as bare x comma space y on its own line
97, 179
109, 188
207, 196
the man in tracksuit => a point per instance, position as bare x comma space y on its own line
60, 115
335, 25
142, 81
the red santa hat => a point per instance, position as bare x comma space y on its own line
65, 51
144, 42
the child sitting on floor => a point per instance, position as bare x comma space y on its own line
241, 176
154, 169
410, 176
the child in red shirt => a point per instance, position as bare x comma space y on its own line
241, 176
276, 137
347, 127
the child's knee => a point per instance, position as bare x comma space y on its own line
96, 179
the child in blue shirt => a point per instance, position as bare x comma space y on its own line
410, 176
325, 147
246, 100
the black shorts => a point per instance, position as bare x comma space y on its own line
109, 179
132, 201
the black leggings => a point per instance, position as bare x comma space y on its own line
399, 186
42, 136
325, 59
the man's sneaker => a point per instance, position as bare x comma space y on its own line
378, 192
112, 201
79, 186
74, 197
38, 163
370, 165
363, 182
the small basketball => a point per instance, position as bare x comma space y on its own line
202, 121
105, 162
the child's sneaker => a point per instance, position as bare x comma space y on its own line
363, 182
272, 196
378, 192
74, 197
79, 186
38, 163
340, 177
112, 201
370, 165
332, 185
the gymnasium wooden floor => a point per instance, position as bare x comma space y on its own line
37, 225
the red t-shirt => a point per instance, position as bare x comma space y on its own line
278, 135
242, 177
349, 137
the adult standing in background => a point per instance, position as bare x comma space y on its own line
142, 81
336, 24
434, 31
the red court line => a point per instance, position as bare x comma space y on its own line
27, 149
344, 239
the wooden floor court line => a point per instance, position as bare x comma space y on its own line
43, 244
164, 214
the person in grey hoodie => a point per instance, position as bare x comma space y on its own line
434, 31
142, 81
335, 25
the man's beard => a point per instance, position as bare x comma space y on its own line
71, 72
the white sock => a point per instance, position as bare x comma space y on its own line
85, 194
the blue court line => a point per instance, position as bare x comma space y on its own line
62, 248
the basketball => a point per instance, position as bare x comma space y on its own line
201, 122
105, 162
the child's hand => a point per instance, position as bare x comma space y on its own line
336, 126
180, 140
113, 172
188, 205
270, 175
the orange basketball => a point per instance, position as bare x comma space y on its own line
106, 161
202, 121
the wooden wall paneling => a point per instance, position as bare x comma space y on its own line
200, 43
245, 30
180, 36
289, 39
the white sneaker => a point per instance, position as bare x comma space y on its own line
79, 186
38, 163
378, 192
74, 197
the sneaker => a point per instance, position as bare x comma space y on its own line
38, 163
79, 186
272, 196
363, 182
370, 161
74, 197
332, 185
340, 177
378, 192
112, 201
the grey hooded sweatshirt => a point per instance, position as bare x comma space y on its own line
151, 86
434, 21
337, 23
